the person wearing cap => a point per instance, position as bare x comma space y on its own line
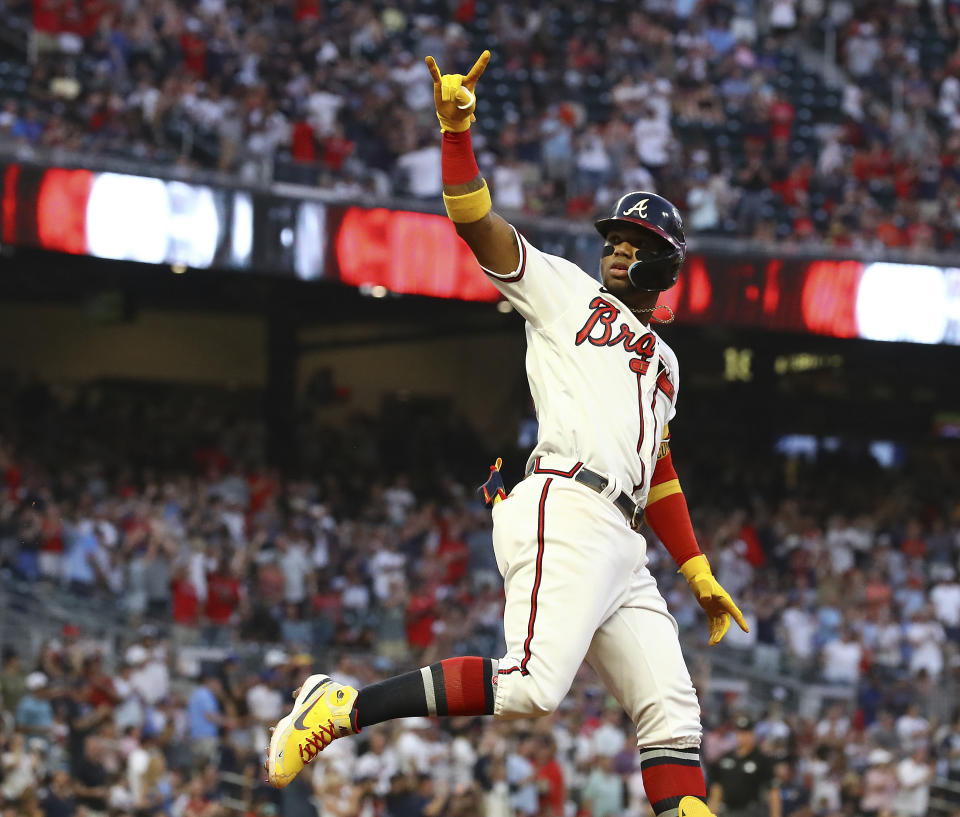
879, 783
741, 781
34, 714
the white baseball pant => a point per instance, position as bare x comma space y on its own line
577, 587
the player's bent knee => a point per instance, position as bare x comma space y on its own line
524, 697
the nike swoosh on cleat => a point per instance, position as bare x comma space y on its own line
298, 723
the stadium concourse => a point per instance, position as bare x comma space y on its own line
162, 599
816, 122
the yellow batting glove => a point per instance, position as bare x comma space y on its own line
454, 96
714, 600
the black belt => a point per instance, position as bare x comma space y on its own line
631, 511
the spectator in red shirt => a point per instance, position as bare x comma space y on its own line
194, 48
781, 115
12, 475
307, 10
303, 143
186, 604
223, 593
889, 232
913, 545
549, 777
421, 615
454, 554
100, 690
336, 149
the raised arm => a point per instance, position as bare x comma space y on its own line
465, 191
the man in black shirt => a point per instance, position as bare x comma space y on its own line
91, 778
58, 800
741, 782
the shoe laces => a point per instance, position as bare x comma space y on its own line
318, 741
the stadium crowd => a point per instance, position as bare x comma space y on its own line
713, 103
230, 583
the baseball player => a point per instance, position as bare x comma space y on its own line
566, 538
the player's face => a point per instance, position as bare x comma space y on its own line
625, 241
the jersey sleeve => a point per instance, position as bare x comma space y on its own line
541, 286
668, 379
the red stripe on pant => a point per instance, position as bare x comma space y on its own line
536, 581
522, 669
464, 683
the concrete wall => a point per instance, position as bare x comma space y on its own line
482, 374
62, 343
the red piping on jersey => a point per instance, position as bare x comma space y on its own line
640, 373
512, 279
536, 588
538, 470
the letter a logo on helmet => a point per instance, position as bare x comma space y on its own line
640, 208
655, 269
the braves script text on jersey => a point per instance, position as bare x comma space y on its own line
574, 571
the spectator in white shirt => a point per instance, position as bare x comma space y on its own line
834, 727
652, 138
379, 762
945, 598
609, 738
841, 658
914, 775
799, 627
297, 570
926, 637
420, 169
913, 729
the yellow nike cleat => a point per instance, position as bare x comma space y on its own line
693, 807
322, 712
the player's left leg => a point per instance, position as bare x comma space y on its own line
637, 655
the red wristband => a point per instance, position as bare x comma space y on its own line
458, 165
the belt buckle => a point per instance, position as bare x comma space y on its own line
634, 521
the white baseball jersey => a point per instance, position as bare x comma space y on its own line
574, 572
603, 384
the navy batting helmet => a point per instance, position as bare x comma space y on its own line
654, 270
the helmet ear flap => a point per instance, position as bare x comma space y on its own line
655, 274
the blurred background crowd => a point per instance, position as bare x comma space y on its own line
806, 121
160, 610
164, 590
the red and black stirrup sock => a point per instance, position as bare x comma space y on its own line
671, 774
455, 686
